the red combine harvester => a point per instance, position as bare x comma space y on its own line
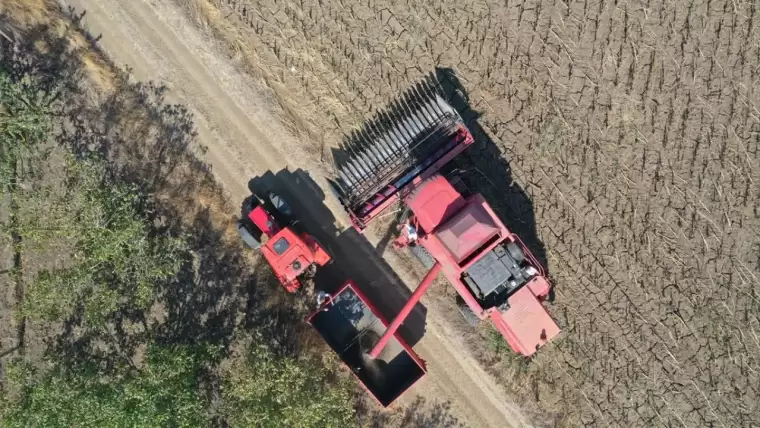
497, 278
347, 321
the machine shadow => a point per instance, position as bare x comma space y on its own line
354, 258
487, 171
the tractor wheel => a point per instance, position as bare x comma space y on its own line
516, 252
467, 313
310, 272
280, 204
248, 205
247, 236
422, 255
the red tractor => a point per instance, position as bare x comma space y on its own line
497, 278
268, 225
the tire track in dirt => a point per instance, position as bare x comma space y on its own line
154, 39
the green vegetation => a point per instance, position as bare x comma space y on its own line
92, 261
163, 393
117, 260
267, 391
496, 342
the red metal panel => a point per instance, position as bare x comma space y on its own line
539, 286
264, 221
526, 324
467, 231
433, 202
436, 248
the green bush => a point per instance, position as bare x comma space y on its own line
116, 260
263, 390
163, 393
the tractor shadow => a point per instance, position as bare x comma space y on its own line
482, 168
354, 258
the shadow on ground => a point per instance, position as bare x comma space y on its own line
353, 256
420, 413
151, 144
487, 171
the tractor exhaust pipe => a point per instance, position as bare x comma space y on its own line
427, 281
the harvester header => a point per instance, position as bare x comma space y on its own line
402, 146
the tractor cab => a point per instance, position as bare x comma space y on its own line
291, 256
271, 229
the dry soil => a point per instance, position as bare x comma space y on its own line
242, 139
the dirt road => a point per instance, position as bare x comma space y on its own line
244, 140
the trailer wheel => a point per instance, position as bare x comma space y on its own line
516, 252
422, 255
467, 313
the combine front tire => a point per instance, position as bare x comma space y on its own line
467, 313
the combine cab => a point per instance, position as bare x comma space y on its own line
495, 275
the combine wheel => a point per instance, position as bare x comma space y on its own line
422, 255
516, 252
467, 313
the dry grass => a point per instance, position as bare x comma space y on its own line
32, 14
631, 130
188, 190
296, 112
